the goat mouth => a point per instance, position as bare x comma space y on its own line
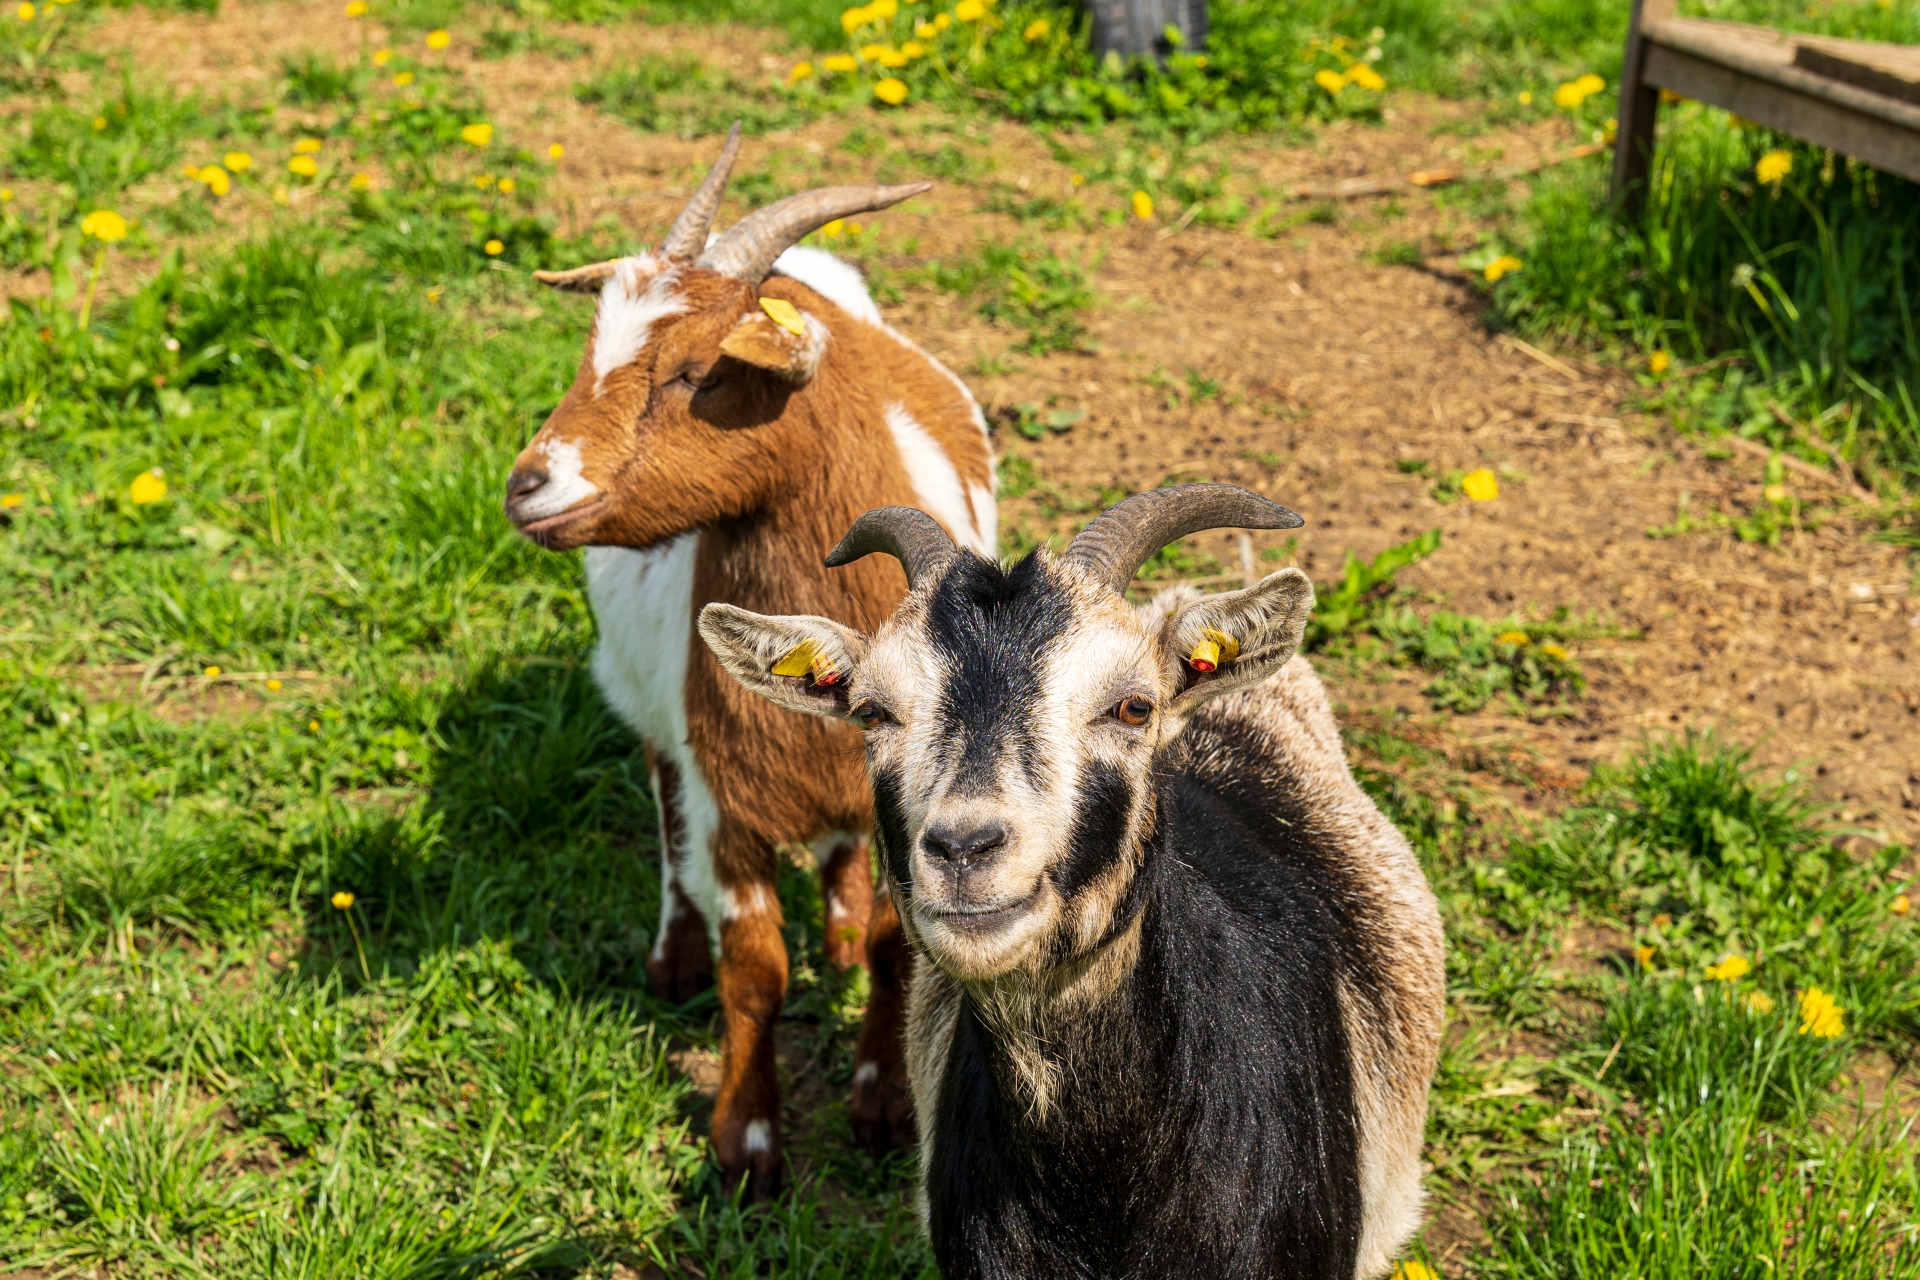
983, 919
542, 530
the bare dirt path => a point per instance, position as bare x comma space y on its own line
1331, 370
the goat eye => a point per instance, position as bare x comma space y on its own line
870, 716
1133, 711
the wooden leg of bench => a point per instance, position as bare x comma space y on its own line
1639, 108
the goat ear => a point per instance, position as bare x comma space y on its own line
1221, 643
764, 341
803, 663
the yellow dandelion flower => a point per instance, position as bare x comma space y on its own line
851, 20
439, 39
483, 180
211, 673
307, 146
237, 161
1480, 484
1730, 969
1589, 84
25, 12
1332, 81
1511, 637
1773, 166
891, 58
892, 91
970, 10
1659, 362
360, 182
356, 8
1036, 29
1078, 180
1501, 266
913, 49
1366, 77
872, 52
1142, 205
941, 21
555, 150
274, 686
147, 487
1644, 954
216, 179
381, 57
313, 726
341, 900
1820, 1015
840, 62
6, 195
925, 30
478, 135
1759, 1002
800, 71
99, 123
305, 166
1526, 97
884, 9
1553, 650
1900, 905
8, 501
1568, 96
835, 228
1775, 493
403, 79
507, 186
494, 248
1411, 1270
104, 225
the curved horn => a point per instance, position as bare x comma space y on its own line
1116, 544
688, 235
747, 250
908, 534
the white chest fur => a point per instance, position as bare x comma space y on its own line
644, 603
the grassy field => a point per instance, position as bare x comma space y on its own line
326, 874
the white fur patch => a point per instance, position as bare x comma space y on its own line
639, 293
759, 1137
935, 481
565, 486
643, 601
838, 281
753, 900
866, 1073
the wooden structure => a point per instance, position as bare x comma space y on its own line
1858, 97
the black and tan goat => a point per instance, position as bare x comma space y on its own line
1180, 987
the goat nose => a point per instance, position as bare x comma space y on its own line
964, 847
522, 483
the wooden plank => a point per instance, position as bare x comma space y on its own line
1760, 54
1765, 87
1891, 70
1639, 112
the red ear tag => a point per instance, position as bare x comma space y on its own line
827, 677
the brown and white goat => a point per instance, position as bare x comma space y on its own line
739, 404
1181, 984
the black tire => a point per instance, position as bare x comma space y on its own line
1129, 27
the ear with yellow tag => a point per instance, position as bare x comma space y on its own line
808, 659
801, 662
1216, 644
1211, 649
779, 339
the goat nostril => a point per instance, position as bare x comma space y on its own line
522, 483
962, 847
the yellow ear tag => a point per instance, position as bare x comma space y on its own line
808, 659
1213, 648
784, 314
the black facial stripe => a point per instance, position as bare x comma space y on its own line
890, 828
993, 627
1100, 823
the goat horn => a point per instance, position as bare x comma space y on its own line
1119, 541
747, 250
688, 235
909, 535
587, 279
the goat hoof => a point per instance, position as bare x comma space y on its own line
758, 1174
881, 1112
